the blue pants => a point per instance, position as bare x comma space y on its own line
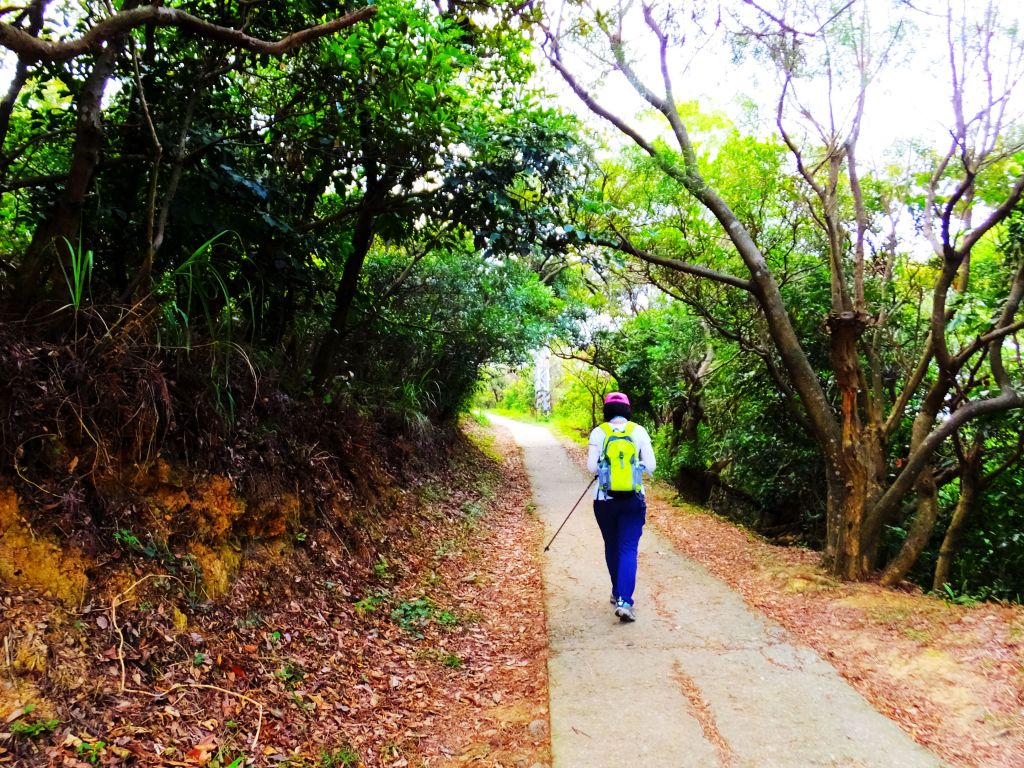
621, 522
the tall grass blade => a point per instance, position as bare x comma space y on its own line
81, 272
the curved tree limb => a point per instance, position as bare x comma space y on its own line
30, 48
997, 215
762, 281
1007, 400
554, 58
623, 244
1003, 327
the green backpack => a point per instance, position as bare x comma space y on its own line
618, 467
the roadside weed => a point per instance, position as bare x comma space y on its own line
31, 728
382, 570
342, 757
414, 615
452, 661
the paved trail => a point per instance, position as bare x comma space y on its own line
699, 680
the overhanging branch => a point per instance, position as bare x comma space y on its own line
918, 460
31, 48
623, 244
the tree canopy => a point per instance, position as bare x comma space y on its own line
364, 207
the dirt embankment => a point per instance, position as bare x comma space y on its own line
413, 644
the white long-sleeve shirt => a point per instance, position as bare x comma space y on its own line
640, 437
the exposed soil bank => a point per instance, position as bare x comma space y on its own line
424, 649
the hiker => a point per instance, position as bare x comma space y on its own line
619, 453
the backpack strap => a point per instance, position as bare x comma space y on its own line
609, 431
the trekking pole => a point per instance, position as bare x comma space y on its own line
570, 513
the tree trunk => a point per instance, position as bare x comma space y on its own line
927, 492
377, 186
64, 219
344, 295
970, 493
854, 484
920, 530
856, 467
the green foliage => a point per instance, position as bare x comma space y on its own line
80, 275
473, 178
455, 315
31, 728
154, 549
127, 540
383, 570
291, 674
952, 596
472, 511
512, 394
91, 751
340, 757
578, 399
371, 603
196, 287
452, 661
991, 564
414, 615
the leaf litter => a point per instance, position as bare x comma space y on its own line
433, 654
952, 676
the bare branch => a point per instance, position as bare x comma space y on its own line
784, 26
596, 108
929, 207
665, 105
920, 458
859, 209
898, 408
623, 244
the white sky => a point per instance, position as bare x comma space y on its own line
909, 101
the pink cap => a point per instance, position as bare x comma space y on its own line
616, 397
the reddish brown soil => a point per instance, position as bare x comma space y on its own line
434, 657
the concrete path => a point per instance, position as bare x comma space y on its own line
699, 680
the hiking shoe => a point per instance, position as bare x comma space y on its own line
625, 611
613, 600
